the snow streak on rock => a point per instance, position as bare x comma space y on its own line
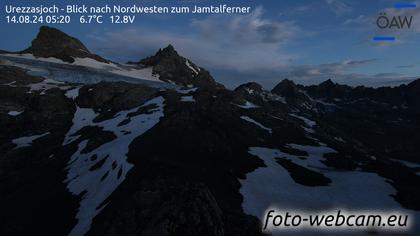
14, 113
249, 119
309, 124
27, 141
187, 63
248, 105
187, 99
96, 174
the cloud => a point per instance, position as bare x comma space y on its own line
238, 42
368, 23
236, 49
248, 29
316, 73
361, 19
339, 7
406, 66
330, 69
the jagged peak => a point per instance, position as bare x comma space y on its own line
331, 85
286, 88
285, 83
163, 54
168, 51
327, 82
170, 48
174, 68
250, 85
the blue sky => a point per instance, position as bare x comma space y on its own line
305, 40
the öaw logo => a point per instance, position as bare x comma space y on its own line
394, 22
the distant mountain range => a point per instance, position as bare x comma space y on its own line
157, 147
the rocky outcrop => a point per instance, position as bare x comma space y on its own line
182, 209
293, 93
250, 88
286, 88
173, 68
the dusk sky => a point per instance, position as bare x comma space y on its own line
308, 41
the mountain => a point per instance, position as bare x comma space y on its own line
384, 120
173, 68
288, 89
91, 151
51, 42
250, 92
293, 93
57, 49
330, 90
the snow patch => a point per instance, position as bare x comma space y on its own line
339, 139
32, 57
10, 84
145, 73
186, 90
408, 163
309, 124
248, 105
82, 117
249, 119
113, 68
274, 97
27, 141
45, 85
14, 113
129, 71
272, 186
187, 99
249, 91
98, 183
72, 93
